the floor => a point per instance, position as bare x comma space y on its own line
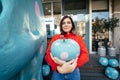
92, 70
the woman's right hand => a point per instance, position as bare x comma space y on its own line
67, 67
56, 60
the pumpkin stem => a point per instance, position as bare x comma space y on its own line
63, 38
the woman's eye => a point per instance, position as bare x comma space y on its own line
68, 22
63, 23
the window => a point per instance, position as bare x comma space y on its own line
100, 12
48, 29
47, 8
74, 4
98, 5
56, 8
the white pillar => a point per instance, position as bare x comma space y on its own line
110, 15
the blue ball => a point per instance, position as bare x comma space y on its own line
113, 62
45, 70
103, 61
111, 73
66, 50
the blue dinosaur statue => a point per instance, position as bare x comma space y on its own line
22, 39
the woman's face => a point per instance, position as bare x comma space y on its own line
67, 25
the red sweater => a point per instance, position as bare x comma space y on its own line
83, 58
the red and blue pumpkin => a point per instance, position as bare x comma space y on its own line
65, 49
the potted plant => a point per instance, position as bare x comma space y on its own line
111, 23
98, 25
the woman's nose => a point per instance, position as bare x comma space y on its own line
66, 23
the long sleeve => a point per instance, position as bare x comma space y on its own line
48, 57
83, 58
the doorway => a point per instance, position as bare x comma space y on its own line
100, 36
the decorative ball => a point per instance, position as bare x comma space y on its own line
113, 62
65, 49
103, 61
45, 70
111, 73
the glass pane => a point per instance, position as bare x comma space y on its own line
100, 36
47, 8
81, 25
48, 29
74, 4
96, 5
56, 8
100, 15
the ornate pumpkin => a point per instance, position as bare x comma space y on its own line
65, 49
103, 61
46, 70
111, 73
113, 62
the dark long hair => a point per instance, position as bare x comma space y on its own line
61, 23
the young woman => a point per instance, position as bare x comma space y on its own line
63, 70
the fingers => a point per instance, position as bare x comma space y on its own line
60, 62
51, 56
71, 61
57, 60
74, 64
76, 59
68, 67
